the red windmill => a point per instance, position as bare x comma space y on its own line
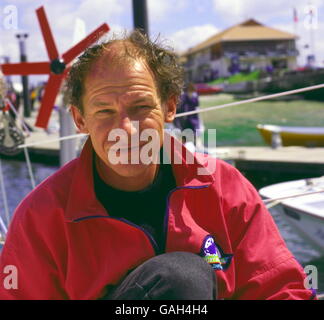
56, 67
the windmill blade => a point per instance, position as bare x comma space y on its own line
51, 90
47, 34
72, 53
26, 68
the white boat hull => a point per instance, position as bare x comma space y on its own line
304, 214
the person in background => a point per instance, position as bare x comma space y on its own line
189, 102
33, 96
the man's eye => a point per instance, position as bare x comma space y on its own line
105, 111
144, 107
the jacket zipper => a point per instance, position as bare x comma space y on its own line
166, 216
147, 233
155, 246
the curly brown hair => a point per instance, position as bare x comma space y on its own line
162, 61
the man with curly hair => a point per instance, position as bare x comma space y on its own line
137, 229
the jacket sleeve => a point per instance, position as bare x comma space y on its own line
27, 263
264, 267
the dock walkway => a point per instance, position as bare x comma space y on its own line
308, 161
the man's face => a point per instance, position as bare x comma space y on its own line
114, 97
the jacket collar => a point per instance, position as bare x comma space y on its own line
82, 201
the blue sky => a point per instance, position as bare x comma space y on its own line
183, 23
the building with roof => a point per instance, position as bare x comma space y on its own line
246, 46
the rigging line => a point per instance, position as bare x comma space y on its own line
3, 226
29, 167
275, 95
190, 112
73, 136
5, 199
272, 202
18, 116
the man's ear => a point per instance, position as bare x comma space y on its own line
170, 109
79, 119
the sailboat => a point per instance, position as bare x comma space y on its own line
301, 204
292, 136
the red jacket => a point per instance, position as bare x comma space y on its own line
65, 246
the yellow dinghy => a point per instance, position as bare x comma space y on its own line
292, 136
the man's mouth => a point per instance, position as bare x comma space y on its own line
126, 148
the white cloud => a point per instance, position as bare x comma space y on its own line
95, 12
235, 11
8, 46
160, 9
186, 38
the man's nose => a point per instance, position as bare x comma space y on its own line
130, 126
